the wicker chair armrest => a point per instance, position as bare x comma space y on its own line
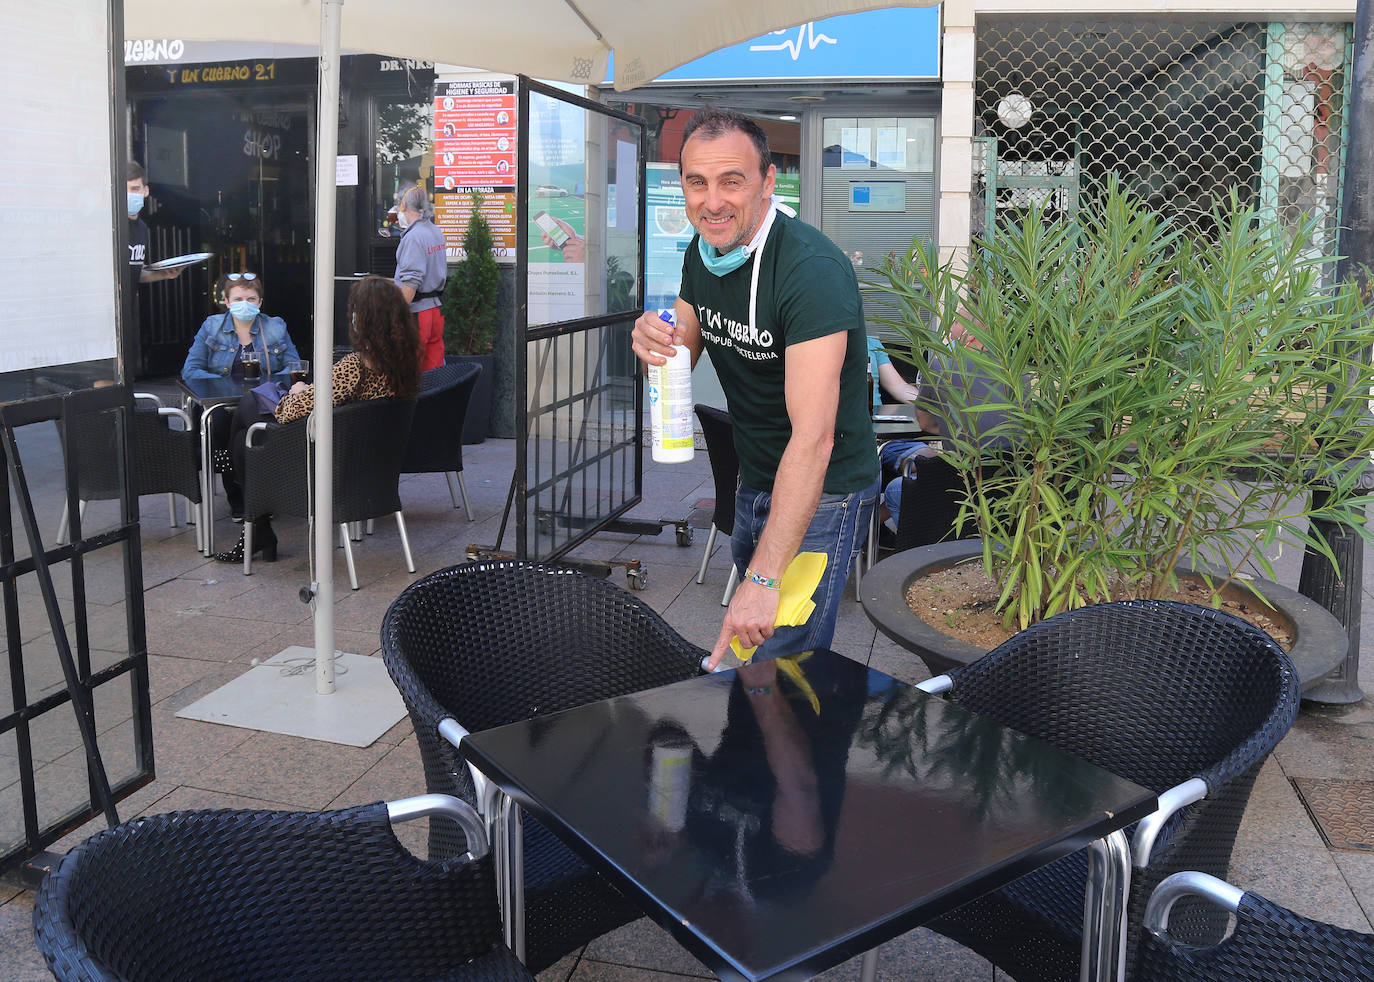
254, 430
152, 397
453, 732
1171, 802
937, 685
1188, 884
463, 814
174, 412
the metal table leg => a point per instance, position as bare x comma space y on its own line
509, 841
1104, 910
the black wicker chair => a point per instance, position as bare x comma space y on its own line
436, 432
1184, 700
720, 447
166, 461
260, 896
1269, 942
479, 645
368, 444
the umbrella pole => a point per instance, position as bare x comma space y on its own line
326, 152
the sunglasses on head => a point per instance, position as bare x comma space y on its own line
242, 276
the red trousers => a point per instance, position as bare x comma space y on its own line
431, 325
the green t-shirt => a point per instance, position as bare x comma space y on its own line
807, 290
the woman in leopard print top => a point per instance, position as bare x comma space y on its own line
384, 364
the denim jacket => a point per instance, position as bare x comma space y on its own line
212, 352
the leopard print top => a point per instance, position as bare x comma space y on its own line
353, 382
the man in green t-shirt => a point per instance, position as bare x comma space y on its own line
777, 306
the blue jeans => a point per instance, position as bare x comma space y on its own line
837, 529
892, 454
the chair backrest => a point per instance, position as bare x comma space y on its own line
1269, 942
495, 642
164, 459
1156, 692
262, 895
368, 444
436, 431
720, 447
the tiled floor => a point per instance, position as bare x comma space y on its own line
205, 621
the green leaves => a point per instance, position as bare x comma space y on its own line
470, 295
1172, 399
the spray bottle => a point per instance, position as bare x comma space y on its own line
670, 404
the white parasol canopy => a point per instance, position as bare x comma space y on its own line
564, 40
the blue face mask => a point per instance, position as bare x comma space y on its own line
243, 310
739, 255
135, 203
718, 264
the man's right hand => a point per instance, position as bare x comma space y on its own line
652, 339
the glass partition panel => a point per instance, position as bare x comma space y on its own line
579, 392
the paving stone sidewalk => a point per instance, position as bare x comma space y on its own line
206, 622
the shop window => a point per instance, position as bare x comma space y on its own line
404, 155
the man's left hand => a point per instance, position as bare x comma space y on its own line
752, 614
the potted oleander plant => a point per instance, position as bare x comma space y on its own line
471, 317
1174, 394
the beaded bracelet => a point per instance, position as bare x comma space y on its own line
761, 580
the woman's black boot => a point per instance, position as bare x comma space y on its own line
264, 544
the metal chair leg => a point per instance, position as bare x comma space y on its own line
463, 487
405, 541
172, 509
706, 554
869, 970
247, 546
61, 539
730, 585
452, 487
348, 556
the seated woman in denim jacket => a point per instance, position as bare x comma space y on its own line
384, 363
218, 350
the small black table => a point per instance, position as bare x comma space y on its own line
214, 395
779, 827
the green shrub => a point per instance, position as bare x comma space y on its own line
469, 301
1179, 389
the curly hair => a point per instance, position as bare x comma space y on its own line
382, 332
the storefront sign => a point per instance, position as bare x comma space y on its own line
899, 42
453, 209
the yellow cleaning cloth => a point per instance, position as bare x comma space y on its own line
799, 581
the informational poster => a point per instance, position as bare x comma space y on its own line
346, 170
453, 211
877, 195
892, 147
556, 271
855, 146
667, 234
475, 139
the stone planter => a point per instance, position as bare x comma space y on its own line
1319, 640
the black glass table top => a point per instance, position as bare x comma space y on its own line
781, 819
213, 391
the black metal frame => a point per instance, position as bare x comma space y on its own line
81, 681
580, 461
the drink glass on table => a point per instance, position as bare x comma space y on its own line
252, 366
299, 369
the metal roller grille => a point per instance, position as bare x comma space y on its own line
1181, 112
